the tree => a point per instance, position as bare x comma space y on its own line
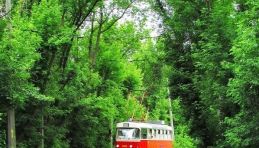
243, 88
16, 62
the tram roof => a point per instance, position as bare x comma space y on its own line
133, 124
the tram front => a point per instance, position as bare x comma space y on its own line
127, 137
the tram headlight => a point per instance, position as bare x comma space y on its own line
117, 145
130, 146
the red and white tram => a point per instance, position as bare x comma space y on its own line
143, 135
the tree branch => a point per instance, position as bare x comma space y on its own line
117, 19
87, 14
7, 13
90, 47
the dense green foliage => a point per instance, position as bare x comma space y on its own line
71, 71
213, 49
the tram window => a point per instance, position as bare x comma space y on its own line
154, 133
162, 132
167, 134
137, 134
159, 134
144, 133
128, 133
149, 133
170, 134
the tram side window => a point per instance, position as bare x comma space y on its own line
137, 133
162, 134
149, 134
159, 134
144, 133
170, 134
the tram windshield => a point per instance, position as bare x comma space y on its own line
128, 133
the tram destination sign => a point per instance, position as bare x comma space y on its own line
125, 124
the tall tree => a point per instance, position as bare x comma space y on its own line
211, 77
181, 33
243, 88
16, 62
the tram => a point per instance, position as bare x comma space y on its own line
143, 135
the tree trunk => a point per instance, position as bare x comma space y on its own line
98, 38
42, 128
90, 47
8, 6
11, 137
11, 128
